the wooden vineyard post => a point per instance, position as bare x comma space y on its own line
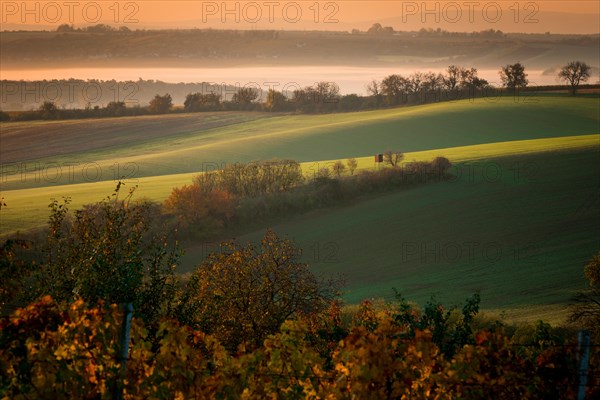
584, 354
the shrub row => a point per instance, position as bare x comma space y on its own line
247, 193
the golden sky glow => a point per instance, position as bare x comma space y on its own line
469, 15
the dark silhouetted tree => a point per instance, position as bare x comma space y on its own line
160, 104
574, 73
470, 80
513, 76
393, 87
276, 101
195, 102
453, 77
441, 165
49, 110
116, 108
393, 157
374, 90
245, 95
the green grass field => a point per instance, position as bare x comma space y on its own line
146, 147
27, 208
517, 228
517, 223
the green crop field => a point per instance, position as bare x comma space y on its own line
517, 223
27, 208
121, 148
517, 228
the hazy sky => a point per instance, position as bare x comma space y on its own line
508, 16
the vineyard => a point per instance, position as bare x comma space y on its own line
54, 352
253, 322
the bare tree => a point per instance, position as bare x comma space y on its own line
338, 168
432, 81
453, 76
393, 157
417, 80
374, 89
574, 73
352, 164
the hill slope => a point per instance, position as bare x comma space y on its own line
298, 137
518, 223
27, 207
517, 228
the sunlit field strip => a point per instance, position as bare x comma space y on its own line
477, 152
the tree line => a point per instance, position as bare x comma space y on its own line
324, 97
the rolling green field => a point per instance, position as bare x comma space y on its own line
122, 149
517, 222
517, 228
27, 208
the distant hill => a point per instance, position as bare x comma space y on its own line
222, 48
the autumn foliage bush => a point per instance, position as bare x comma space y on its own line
106, 251
198, 210
251, 323
49, 351
241, 294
